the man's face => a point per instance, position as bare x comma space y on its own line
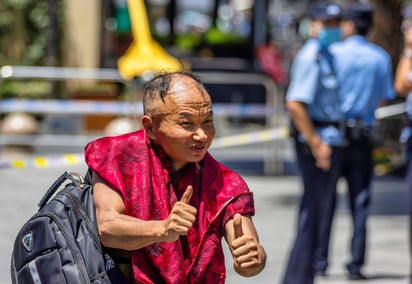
348, 28
406, 25
317, 25
185, 128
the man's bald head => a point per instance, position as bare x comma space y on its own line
160, 86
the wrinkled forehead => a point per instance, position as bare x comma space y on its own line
192, 100
186, 95
186, 90
184, 84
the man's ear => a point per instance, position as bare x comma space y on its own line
148, 125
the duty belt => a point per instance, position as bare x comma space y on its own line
357, 130
336, 124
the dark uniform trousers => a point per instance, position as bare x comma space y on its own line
409, 185
357, 169
317, 199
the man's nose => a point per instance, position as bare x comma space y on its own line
200, 134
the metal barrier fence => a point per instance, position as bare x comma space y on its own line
272, 111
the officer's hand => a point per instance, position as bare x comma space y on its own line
246, 260
181, 218
322, 153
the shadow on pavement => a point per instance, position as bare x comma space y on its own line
370, 277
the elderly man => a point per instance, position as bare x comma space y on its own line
160, 194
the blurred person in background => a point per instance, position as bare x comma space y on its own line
270, 60
403, 87
313, 102
365, 76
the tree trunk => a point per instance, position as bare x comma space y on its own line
386, 31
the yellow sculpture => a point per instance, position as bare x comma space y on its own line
144, 53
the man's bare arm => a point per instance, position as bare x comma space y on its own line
249, 257
118, 230
402, 84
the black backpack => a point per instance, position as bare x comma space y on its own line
60, 243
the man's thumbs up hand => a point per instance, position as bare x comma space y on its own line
245, 247
237, 225
187, 195
181, 217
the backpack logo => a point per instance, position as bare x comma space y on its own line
109, 263
28, 241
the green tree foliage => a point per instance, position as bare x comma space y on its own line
24, 28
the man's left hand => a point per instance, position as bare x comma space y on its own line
246, 250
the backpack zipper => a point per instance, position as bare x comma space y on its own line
80, 209
71, 242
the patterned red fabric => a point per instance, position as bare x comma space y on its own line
140, 172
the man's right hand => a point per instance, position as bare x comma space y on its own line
181, 218
323, 154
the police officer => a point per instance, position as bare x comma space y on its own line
313, 102
403, 87
365, 75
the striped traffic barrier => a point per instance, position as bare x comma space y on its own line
42, 162
390, 111
80, 107
266, 135
49, 161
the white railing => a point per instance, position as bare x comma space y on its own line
273, 110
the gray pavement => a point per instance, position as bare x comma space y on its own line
276, 201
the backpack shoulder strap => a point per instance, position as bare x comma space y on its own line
88, 176
74, 177
52, 189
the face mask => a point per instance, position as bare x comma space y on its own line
327, 36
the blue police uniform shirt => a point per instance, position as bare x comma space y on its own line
407, 131
409, 100
314, 83
365, 74
409, 106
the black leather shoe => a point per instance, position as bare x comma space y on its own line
357, 276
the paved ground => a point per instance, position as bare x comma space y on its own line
276, 204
